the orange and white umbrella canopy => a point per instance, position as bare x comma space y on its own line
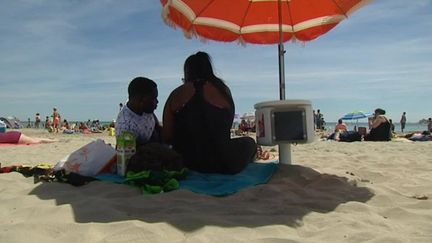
257, 21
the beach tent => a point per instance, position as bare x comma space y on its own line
11, 122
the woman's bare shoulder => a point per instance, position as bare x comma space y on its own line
180, 95
182, 90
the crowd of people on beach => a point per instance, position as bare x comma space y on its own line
55, 124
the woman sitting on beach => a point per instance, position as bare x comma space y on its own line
15, 137
197, 119
381, 130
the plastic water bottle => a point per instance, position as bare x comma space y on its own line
2, 127
126, 147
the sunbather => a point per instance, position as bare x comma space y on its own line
15, 137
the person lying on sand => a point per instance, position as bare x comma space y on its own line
16, 137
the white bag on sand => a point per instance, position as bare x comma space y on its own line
89, 160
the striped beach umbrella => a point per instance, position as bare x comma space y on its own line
258, 21
356, 115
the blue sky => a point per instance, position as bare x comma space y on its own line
79, 56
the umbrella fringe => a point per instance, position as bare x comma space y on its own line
166, 19
358, 6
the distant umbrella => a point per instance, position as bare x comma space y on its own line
356, 115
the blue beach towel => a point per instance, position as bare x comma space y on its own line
218, 184
223, 185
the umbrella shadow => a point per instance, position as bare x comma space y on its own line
292, 193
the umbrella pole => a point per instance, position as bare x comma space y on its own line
284, 149
281, 72
281, 56
285, 153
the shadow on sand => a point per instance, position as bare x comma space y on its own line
293, 192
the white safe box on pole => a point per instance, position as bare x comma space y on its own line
283, 122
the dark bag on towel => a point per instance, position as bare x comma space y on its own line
349, 136
156, 157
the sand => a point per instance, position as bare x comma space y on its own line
333, 192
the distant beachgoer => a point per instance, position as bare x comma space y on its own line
315, 119
392, 126
56, 120
137, 116
423, 136
341, 126
66, 127
429, 124
37, 120
403, 121
323, 123
66, 124
370, 121
319, 119
47, 121
28, 123
83, 128
380, 127
120, 106
197, 119
15, 137
244, 126
112, 124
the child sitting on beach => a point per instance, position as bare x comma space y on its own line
137, 116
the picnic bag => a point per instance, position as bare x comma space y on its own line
350, 136
89, 160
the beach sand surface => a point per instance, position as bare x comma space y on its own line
333, 192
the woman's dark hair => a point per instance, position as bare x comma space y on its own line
380, 111
198, 67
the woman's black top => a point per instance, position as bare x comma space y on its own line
201, 132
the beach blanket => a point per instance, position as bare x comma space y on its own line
224, 185
156, 182
218, 184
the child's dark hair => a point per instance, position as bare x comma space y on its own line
141, 86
